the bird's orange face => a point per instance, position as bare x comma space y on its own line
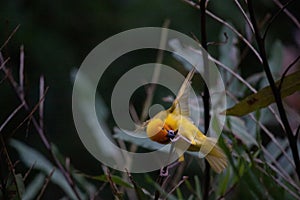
159, 131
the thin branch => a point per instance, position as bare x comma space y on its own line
163, 177
286, 71
275, 91
218, 19
28, 171
9, 37
11, 167
10, 117
47, 180
3, 62
244, 14
156, 73
249, 86
272, 20
266, 130
41, 106
221, 42
184, 178
30, 115
236, 32
113, 186
297, 132
21, 72
40, 131
279, 182
222, 197
288, 13
206, 97
279, 170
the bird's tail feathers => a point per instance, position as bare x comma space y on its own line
214, 155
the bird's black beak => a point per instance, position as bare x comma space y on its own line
171, 134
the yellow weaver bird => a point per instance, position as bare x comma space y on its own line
176, 122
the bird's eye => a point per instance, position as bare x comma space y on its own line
171, 134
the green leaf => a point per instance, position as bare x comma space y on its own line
239, 130
264, 97
34, 187
29, 156
18, 188
197, 186
139, 191
116, 179
20, 184
179, 193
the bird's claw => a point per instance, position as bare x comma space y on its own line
164, 171
175, 139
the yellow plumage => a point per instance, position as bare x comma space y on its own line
166, 124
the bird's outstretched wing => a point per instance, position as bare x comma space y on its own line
181, 104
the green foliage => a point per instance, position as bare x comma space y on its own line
56, 39
30, 157
265, 97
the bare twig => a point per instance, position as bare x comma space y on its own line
21, 72
206, 97
40, 131
221, 42
176, 186
249, 86
41, 106
277, 180
275, 91
288, 13
9, 37
272, 20
113, 186
286, 71
280, 171
297, 132
47, 180
222, 197
10, 117
30, 115
244, 14
3, 62
28, 171
10, 166
156, 73
164, 177
218, 19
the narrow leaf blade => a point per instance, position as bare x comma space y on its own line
264, 97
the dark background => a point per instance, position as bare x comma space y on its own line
57, 36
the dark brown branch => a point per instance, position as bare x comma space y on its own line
10, 117
289, 133
205, 97
40, 131
286, 71
288, 13
272, 20
47, 180
10, 166
9, 37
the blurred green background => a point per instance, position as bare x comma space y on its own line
58, 35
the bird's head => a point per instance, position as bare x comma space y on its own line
159, 131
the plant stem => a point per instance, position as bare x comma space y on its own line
276, 92
206, 105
